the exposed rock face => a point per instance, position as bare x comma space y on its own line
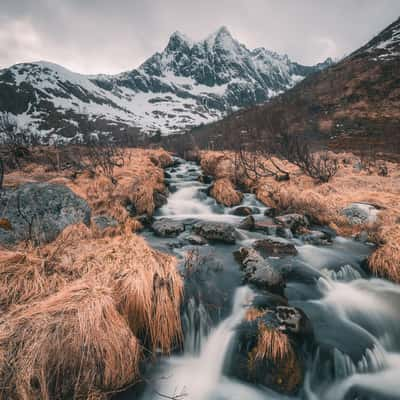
360, 213
258, 271
217, 231
40, 212
274, 247
167, 227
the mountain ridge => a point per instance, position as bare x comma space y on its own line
353, 104
187, 84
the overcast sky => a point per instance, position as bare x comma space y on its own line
110, 36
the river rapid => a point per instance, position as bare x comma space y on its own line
355, 318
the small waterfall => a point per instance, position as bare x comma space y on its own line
196, 325
345, 273
196, 375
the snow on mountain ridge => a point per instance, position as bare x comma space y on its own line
187, 84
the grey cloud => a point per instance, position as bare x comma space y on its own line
92, 36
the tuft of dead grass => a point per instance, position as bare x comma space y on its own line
73, 344
385, 260
224, 192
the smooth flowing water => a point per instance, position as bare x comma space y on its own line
356, 319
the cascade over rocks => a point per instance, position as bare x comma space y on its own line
40, 212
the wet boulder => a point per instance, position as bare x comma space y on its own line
264, 353
258, 271
316, 238
167, 228
267, 226
247, 223
295, 222
40, 212
216, 231
360, 213
159, 199
196, 240
242, 211
270, 212
206, 179
274, 247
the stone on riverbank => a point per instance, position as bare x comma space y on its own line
40, 212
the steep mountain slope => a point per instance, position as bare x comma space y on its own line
186, 85
352, 104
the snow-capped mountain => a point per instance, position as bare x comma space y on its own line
351, 105
186, 85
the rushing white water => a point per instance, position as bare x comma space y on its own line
199, 376
356, 320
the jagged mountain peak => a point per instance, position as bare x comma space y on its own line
187, 84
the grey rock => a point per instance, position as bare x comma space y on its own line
274, 247
293, 221
160, 199
247, 223
242, 211
360, 213
316, 238
258, 271
167, 228
104, 221
196, 240
217, 231
40, 212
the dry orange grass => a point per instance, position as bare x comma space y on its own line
275, 346
272, 344
76, 310
324, 202
136, 181
145, 283
224, 192
70, 345
385, 261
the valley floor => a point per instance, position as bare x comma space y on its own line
82, 309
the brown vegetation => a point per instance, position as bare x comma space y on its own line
80, 314
224, 192
323, 202
275, 346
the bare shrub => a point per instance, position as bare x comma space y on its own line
15, 143
103, 156
317, 165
